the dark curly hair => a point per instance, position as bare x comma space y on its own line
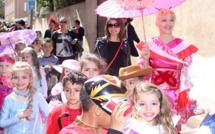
75, 77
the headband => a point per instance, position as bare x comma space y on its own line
6, 58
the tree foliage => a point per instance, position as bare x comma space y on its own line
52, 4
64, 3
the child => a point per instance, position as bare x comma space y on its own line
39, 35
132, 75
57, 94
151, 112
6, 63
91, 65
37, 46
30, 56
20, 110
46, 60
19, 46
104, 105
72, 84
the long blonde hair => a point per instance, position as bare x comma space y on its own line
164, 118
25, 67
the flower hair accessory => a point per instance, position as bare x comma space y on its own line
6, 58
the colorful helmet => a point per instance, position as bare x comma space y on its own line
106, 91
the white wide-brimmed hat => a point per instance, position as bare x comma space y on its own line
69, 64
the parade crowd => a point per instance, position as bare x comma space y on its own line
50, 87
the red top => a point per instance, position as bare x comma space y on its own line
52, 126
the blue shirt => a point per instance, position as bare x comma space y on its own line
51, 60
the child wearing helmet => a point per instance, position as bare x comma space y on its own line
105, 105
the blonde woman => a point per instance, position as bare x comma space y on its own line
170, 58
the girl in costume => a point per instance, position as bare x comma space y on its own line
6, 62
170, 58
114, 47
30, 56
37, 46
20, 110
91, 65
151, 112
57, 95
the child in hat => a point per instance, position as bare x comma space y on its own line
132, 75
57, 95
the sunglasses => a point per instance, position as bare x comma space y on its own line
116, 25
64, 22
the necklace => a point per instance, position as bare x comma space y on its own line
25, 95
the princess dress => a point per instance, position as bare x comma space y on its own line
12, 107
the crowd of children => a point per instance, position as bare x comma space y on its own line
40, 94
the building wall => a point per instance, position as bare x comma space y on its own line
15, 9
9, 9
87, 18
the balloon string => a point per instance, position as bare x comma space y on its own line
143, 26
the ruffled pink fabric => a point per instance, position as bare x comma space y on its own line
6, 87
6, 81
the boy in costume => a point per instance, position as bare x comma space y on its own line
105, 105
65, 114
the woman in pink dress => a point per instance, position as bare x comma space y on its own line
170, 58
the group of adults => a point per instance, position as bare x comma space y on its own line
62, 38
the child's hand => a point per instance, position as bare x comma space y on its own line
25, 113
117, 119
48, 68
145, 53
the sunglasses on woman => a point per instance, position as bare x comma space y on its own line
116, 25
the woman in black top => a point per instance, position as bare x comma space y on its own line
50, 31
113, 41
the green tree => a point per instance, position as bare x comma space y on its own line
64, 3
